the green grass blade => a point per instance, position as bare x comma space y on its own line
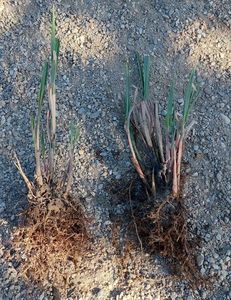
42, 90
146, 71
189, 96
170, 116
32, 122
140, 66
140, 69
196, 94
55, 46
43, 84
36, 125
53, 32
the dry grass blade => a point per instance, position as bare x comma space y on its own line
128, 127
74, 137
135, 160
158, 133
142, 120
178, 164
25, 178
174, 173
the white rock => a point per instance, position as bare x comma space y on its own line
225, 119
200, 259
3, 120
2, 103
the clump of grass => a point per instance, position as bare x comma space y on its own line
157, 146
163, 141
53, 228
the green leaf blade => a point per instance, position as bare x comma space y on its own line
43, 83
169, 119
189, 96
146, 71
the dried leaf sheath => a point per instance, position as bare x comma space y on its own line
135, 160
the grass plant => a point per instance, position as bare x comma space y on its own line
53, 228
157, 145
163, 140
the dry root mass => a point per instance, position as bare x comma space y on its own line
51, 234
164, 230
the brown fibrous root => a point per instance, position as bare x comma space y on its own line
52, 232
164, 230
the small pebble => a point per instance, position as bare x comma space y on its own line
218, 237
225, 119
196, 147
200, 259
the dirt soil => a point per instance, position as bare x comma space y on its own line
97, 37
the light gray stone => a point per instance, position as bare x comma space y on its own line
200, 259
225, 119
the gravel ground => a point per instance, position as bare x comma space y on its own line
96, 38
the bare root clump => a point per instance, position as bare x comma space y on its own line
157, 146
160, 226
170, 236
52, 232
